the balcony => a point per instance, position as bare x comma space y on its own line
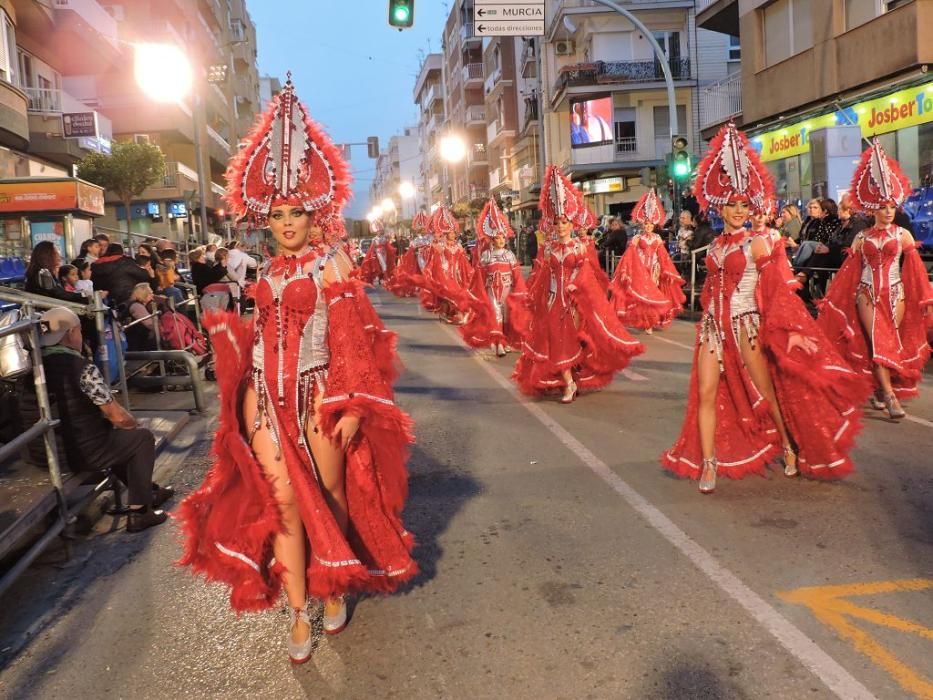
720, 101
434, 183
586, 76
14, 117
626, 146
477, 156
473, 75
85, 36
433, 95
467, 36
496, 130
218, 147
528, 64
45, 107
475, 115
495, 179
718, 16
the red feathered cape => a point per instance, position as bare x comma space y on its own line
482, 329
904, 349
637, 300
818, 394
371, 270
230, 522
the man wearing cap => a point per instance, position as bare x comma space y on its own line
98, 433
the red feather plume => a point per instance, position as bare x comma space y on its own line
731, 169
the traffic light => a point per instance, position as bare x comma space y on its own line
372, 146
680, 159
401, 14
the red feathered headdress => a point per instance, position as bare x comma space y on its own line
587, 220
649, 209
443, 222
287, 159
376, 226
731, 171
420, 222
492, 222
559, 197
878, 180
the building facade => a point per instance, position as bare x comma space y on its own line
430, 99
811, 67
605, 102
399, 163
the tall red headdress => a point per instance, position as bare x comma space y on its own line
376, 226
559, 197
730, 171
443, 222
878, 180
421, 222
492, 222
649, 209
287, 159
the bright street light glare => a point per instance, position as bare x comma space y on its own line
453, 149
163, 72
371, 216
406, 190
377, 210
387, 205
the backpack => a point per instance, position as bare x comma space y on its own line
179, 333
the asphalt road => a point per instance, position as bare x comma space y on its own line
558, 561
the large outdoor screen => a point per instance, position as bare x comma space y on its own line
591, 122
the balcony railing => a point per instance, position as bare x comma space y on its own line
703, 4
475, 113
472, 71
92, 14
174, 171
492, 130
614, 72
495, 178
721, 101
531, 110
43, 99
626, 144
478, 153
218, 139
466, 33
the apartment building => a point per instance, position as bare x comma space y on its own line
269, 87
428, 95
464, 80
526, 165
813, 65
46, 125
605, 102
216, 34
399, 163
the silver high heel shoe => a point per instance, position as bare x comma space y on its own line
299, 652
790, 461
708, 475
894, 407
877, 401
570, 393
335, 624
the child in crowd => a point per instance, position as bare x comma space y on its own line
83, 283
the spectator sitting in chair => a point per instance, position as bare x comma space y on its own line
98, 433
117, 274
167, 276
204, 273
142, 335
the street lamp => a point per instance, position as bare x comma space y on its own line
406, 190
453, 149
164, 74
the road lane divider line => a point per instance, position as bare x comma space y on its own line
634, 376
919, 421
798, 644
673, 342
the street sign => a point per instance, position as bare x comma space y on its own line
79, 125
524, 18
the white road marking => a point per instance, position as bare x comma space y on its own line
821, 664
634, 376
919, 421
673, 342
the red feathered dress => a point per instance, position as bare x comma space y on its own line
646, 287
572, 324
447, 278
307, 340
499, 313
875, 271
408, 278
379, 263
819, 395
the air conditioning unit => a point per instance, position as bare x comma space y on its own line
564, 48
141, 138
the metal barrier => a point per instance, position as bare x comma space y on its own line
193, 378
44, 427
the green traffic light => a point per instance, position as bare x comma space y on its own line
401, 14
681, 169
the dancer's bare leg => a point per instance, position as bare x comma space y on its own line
708, 385
757, 366
289, 546
331, 465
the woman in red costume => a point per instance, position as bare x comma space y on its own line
408, 273
498, 309
309, 477
379, 263
878, 306
765, 380
646, 288
448, 273
574, 339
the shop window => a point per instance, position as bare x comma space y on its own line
787, 29
7, 49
